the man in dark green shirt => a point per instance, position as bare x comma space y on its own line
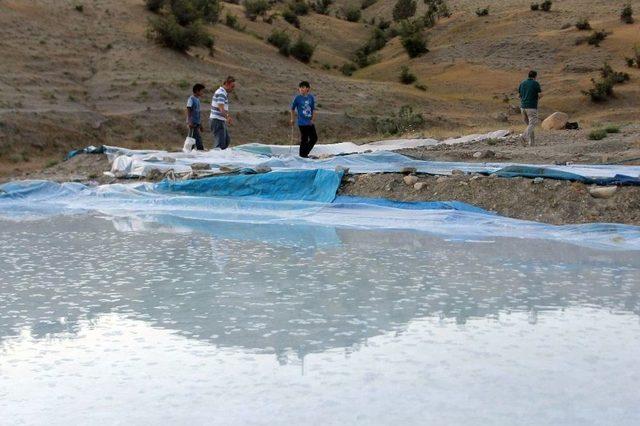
530, 91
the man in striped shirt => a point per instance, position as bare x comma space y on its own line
220, 118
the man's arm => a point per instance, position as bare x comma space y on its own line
225, 113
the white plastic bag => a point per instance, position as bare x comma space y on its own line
189, 143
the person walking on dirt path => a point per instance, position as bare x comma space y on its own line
193, 115
530, 92
304, 106
220, 119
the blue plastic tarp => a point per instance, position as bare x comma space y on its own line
549, 173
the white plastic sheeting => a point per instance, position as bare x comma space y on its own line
148, 203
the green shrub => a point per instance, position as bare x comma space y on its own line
281, 40
383, 25
545, 6
405, 120
321, 6
597, 37
352, 14
166, 31
597, 134
79, 8
366, 3
612, 129
415, 44
404, 9
635, 60
348, 69
535, 6
626, 15
583, 24
483, 12
299, 7
289, 16
406, 77
210, 10
232, 21
617, 77
255, 8
420, 87
153, 5
601, 90
302, 50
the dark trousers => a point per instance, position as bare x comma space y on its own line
195, 133
308, 138
220, 131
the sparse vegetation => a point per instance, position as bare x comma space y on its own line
321, 6
289, 16
406, 77
363, 56
545, 6
626, 15
535, 6
404, 9
483, 11
583, 24
166, 31
255, 8
420, 86
352, 14
412, 39
634, 61
232, 21
405, 120
79, 8
281, 40
154, 5
299, 7
597, 37
602, 89
302, 50
366, 3
348, 69
612, 128
597, 134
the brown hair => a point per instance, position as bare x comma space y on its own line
229, 79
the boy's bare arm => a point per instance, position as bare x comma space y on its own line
292, 116
189, 116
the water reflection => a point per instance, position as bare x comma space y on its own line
292, 296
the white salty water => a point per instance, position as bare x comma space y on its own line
117, 322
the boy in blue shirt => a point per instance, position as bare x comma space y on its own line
193, 115
304, 106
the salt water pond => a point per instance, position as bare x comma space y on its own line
109, 320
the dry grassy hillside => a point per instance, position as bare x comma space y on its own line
72, 78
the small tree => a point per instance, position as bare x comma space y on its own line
352, 14
583, 24
210, 10
302, 50
404, 9
281, 40
406, 77
597, 37
415, 44
153, 5
626, 15
255, 8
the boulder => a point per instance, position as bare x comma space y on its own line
457, 172
555, 121
419, 185
602, 191
200, 166
538, 180
410, 180
408, 170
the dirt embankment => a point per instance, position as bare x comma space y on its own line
550, 201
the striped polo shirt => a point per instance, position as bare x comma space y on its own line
219, 97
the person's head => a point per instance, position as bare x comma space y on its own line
229, 83
533, 74
198, 90
304, 87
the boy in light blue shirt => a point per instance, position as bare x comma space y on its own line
304, 106
193, 115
